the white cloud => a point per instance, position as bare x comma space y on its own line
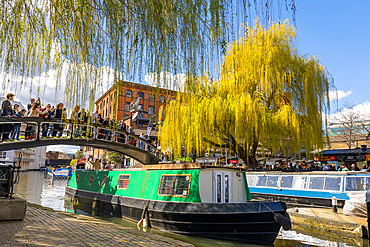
47, 87
339, 94
166, 80
363, 110
64, 148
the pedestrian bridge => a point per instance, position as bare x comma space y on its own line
36, 132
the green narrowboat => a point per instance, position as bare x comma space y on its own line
194, 199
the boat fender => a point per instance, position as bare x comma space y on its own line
74, 200
284, 221
144, 221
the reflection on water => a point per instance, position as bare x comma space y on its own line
38, 188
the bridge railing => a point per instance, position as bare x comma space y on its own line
38, 129
20, 131
84, 131
55, 130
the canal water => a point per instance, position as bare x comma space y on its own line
37, 188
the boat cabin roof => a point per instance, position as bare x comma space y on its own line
309, 173
187, 166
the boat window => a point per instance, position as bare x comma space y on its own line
123, 181
299, 182
226, 188
333, 183
272, 181
181, 185
317, 183
286, 181
354, 183
104, 180
174, 185
367, 183
261, 180
91, 179
218, 187
250, 179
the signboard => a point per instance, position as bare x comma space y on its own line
206, 160
232, 161
325, 158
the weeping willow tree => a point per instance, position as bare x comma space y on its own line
77, 38
267, 94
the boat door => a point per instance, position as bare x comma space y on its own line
221, 186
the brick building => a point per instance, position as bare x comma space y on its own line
116, 102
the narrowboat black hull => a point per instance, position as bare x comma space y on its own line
250, 222
298, 200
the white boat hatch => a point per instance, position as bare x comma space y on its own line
221, 186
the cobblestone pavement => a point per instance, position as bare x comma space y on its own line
45, 227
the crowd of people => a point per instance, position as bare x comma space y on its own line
79, 116
309, 167
34, 109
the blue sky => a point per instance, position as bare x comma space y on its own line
338, 32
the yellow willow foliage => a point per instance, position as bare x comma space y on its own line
78, 37
267, 94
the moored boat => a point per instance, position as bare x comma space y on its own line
312, 188
192, 199
59, 172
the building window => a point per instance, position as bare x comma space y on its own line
140, 94
174, 185
128, 93
123, 181
151, 97
161, 98
127, 106
2, 155
151, 110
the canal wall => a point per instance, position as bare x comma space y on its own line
45, 227
324, 221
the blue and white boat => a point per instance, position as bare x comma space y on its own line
59, 172
312, 188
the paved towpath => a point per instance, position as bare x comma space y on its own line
45, 227
326, 214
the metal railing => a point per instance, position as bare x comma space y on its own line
31, 129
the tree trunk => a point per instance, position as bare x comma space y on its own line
250, 160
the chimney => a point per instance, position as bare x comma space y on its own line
363, 147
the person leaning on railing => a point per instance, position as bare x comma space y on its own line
6, 111
121, 127
17, 126
58, 128
35, 112
46, 113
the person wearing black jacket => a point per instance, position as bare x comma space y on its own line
30, 105
6, 111
58, 128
